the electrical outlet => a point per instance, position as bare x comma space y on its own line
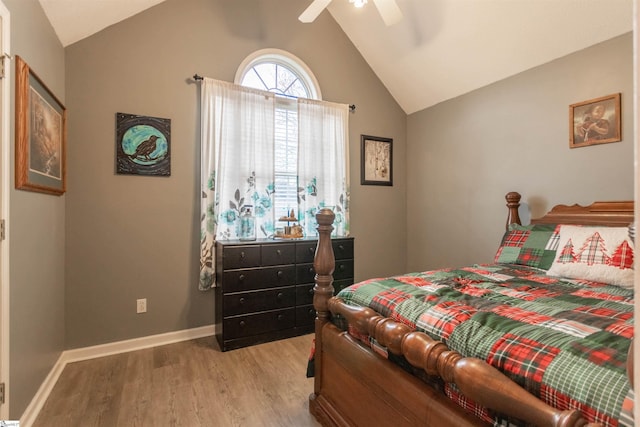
141, 305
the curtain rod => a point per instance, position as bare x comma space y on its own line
198, 77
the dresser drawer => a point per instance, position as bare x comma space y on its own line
258, 278
344, 269
247, 302
305, 251
240, 257
278, 254
305, 315
305, 273
342, 249
258, 323
304, 293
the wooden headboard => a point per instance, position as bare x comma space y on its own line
619, 213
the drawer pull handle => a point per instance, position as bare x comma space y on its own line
279, 252
241, 278
341, 247
342, 267
312, 311
241, 301
312, 249
280, 295
280, 274
280, 316
310, 269
242, 255
311, 290
242, 324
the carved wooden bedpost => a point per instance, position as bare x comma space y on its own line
513, 203
323, 264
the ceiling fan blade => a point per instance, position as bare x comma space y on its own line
389, 11
314, 9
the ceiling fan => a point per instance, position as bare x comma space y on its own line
388, 9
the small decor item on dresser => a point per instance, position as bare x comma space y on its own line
289, 231
247, 224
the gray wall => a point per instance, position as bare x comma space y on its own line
37, 230
132, 237
465, 154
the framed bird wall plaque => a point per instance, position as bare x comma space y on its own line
143, 145
41, 135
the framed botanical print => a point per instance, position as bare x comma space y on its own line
376, 160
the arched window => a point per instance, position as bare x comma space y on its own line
280, 72
286, 75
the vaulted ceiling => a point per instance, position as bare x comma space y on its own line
439, 50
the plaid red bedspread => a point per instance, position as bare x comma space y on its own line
565, 341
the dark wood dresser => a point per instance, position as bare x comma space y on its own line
265, 288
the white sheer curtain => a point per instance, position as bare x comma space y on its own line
237, 158
323, 163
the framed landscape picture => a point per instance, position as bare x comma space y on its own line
40, 135
376, 160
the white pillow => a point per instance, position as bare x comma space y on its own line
599, 254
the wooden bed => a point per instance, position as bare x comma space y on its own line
346, 394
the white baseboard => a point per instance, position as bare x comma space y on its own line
31, 413
77, 354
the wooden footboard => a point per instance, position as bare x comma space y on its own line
475, 378
347, 393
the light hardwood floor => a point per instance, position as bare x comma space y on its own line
188, 384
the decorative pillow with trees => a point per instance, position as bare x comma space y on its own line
599, 254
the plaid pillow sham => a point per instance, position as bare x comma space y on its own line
531, 245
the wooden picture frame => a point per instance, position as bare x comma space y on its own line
376, 166
596, 121
41, 135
